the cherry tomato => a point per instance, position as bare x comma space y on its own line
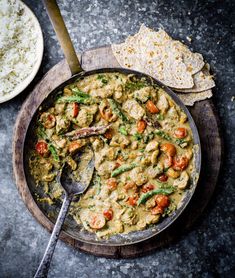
117, 165
132, 201
130, 185
168, 149
97, 221
162, 201
141, 125
74, 146
147, 187
42, 148
108, 134
163, 178
75, 109
152, 108
180, 163
108, 214
181, 132
112, 183
157, 210
48, 120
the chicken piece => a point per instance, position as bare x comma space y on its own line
189, 153
118, 93
172, 173
92, 109
163, 104
143, 94
141, 224
173, 114
49, 177
97, 144
59, 108
182, 181
154, 157
152, 146
151, 203
129, 217
84, 118
105, 168
62, 124
152, 219
72, 163
133, 108
183, 118
116, 228
104, 92
154, 171
138, 176
119, 140
60, 143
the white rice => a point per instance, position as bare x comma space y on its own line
18, 43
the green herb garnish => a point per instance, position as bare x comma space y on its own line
137, 136
102, 78
181, 142
123, 130
160, 117
132, 86
54, 152
163, 134
148, 137
117, 110
76, 98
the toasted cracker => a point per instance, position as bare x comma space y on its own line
190, 98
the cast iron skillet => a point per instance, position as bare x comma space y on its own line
70, 227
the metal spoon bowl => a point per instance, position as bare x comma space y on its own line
73, 186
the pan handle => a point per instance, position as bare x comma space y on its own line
63, 35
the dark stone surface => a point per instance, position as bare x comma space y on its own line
208, 249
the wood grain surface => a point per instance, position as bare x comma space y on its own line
206, 119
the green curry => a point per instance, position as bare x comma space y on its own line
142, 144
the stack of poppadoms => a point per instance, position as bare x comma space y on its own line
168, 60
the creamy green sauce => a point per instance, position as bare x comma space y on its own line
147, 147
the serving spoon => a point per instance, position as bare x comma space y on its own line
72, 188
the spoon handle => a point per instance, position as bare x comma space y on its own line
63, 35
46, 260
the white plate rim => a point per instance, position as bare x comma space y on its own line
21, 86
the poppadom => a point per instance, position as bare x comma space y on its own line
157, 54
203, 81
190, 98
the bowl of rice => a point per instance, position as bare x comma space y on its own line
21, 48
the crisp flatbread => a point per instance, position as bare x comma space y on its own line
190, 98
193, 61
127, 54
157, 54
203, 81
159, 61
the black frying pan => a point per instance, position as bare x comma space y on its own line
70, 227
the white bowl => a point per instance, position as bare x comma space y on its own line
40, 47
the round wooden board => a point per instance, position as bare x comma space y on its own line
206, 119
